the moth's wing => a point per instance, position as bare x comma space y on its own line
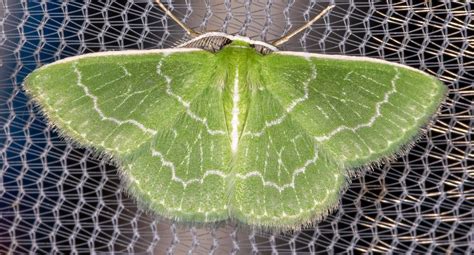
157, 113
311, 119
358, 109
282, 177
112, 101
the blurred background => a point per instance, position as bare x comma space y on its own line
55, 197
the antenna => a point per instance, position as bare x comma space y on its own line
287, 37
188, 30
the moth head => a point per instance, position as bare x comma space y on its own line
216, 41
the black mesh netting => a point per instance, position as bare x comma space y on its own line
57, 198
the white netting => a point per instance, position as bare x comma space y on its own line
57, 198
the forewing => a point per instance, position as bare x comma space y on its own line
359, 110
113, 102
157, 113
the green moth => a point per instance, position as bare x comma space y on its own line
225, 127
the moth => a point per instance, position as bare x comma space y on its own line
225, 127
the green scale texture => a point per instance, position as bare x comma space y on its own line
268, 140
